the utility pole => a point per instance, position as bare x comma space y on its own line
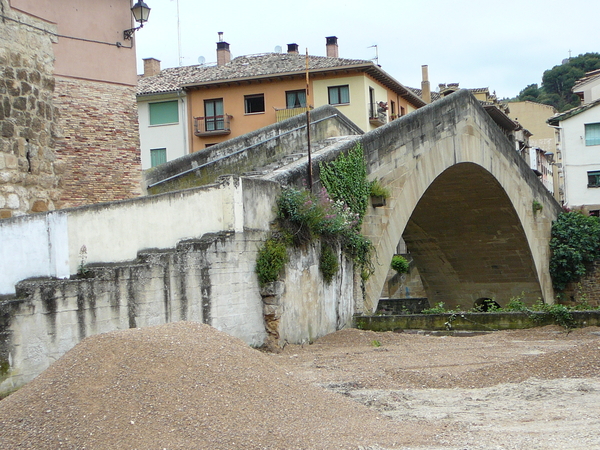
310, 174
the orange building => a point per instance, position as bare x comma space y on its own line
237, 96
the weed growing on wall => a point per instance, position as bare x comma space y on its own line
575, 243
400, 264
328, 263
271, 260
377, 190
333, 216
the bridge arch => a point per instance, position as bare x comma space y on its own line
462, 199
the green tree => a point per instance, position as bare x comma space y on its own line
558, 82
575, 243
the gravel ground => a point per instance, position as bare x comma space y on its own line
189, 386
522, 389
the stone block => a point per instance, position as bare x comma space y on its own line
275, 288
20, 103
13, 88
12, 201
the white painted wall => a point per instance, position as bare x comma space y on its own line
49, 244
173, 137
578, 159
34, 245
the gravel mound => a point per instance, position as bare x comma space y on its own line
184, 386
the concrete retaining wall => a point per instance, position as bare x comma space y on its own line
206, 275
470, 321
49, 245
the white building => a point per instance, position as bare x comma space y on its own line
578, 147
162, 115
578, 156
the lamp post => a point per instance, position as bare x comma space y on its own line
140, 12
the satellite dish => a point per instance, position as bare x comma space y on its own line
278, 49
201, 59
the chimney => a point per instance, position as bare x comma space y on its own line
151, 67
223, 54
425, 87
332, 47
293, 48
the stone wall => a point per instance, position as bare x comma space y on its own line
586, 289
98, 152
28, 120
209, 280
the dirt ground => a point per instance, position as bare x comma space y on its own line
522, 389
188, 386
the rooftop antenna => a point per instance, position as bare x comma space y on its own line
220, 36
376, 59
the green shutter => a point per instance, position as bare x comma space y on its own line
164, 112
158, 156
592, 134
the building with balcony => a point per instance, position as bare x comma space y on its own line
218, 102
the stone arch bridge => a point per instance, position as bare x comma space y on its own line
462, 200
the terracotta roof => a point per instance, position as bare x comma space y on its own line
434, 94
263, 66
587, 77
169, 80
554, 120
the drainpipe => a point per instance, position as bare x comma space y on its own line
181, 97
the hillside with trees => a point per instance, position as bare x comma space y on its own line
558, 82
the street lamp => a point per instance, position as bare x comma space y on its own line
140, 12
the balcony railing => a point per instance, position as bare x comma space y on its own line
212, 125
377, 113
286, 113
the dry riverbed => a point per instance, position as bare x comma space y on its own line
522, 389
189, 386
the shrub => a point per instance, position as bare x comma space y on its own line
439, 308
328, 263
574, 243
400, 264
515, 304
271, 260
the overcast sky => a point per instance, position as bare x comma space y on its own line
503, 45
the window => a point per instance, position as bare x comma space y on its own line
594, 178
338, 95
255, 103
213, 115
592, 134
295, 99
164, 112
158, 156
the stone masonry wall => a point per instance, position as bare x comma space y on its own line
99, 151
28, 120
586, 289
